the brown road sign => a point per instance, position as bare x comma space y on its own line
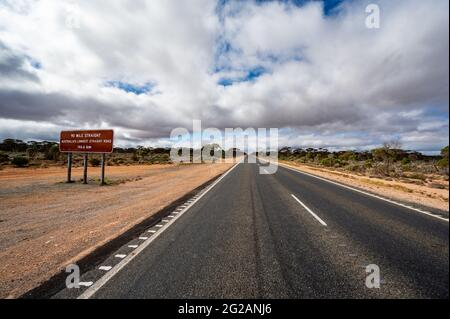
89, 141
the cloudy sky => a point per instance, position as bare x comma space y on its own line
311, 68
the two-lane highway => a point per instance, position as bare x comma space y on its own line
288, 235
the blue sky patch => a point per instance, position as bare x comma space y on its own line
251, 75
131, 88
329, 6
34, 63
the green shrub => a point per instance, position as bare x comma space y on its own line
4, 158
406, 161
443, 163
53, 153
327, 162
20, 161
444, 152
94, 161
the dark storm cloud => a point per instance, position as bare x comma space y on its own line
11, 65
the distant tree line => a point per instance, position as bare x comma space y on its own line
388, 159
385, 160
21, 154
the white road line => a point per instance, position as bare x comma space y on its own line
368, 194
309, 211
165, 220
133, 246
85, 283
143, 238
159, 226
105, 268
110, 274
151, 231
170, 216
121, 256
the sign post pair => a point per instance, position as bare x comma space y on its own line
86, 142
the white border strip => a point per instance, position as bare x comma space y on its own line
309, 211
367, 193
103, 280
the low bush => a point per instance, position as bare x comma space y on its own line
327, 162
4, 158
20, 161
406, 161
94, 161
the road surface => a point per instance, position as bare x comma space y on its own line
288, 235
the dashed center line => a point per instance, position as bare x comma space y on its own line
309, 211
105, 268
370, 194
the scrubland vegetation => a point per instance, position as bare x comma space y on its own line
43, 154
387, 162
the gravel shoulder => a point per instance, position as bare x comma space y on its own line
46, 224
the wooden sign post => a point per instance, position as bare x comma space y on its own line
69, 168
87, 142
103, 169
85, 168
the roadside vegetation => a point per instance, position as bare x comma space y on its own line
17, 153
389, 162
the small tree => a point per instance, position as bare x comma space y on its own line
20, 161
443, 163
32, 152
387, 154
4, 158
53, 153
94, 161
444, 152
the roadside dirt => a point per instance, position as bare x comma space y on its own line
46, 224
407, 192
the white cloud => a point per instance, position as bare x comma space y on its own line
329, 81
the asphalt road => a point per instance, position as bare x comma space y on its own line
250, 238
